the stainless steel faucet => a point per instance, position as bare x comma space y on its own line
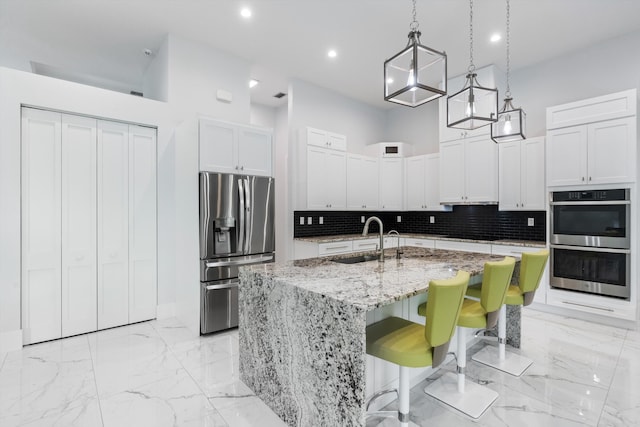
365, 232
398, 251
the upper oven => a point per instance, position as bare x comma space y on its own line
596, 218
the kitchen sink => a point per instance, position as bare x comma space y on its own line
356, 259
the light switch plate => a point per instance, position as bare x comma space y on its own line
309, 220
362, 219
530, 222
321, 220
301, 220
398, 218
432, 219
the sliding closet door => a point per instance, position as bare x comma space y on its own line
113, 224
41, 256
142, 224
79, 288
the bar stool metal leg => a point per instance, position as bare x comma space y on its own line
511, 363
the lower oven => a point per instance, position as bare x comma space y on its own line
602, 271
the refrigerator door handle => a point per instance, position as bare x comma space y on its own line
265, 258
241, 213
249, 218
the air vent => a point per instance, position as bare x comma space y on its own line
279, 95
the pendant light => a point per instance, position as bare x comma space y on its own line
417, 74
474, 106
511, 120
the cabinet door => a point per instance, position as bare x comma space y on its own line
415, 182
336, 141
316, 137
369, 182
316, 178
41, 216
391, 180
612, 151
509, 176
255, 152
432, 181
142, 224
113, 224
335, 179
218, 147
532, 188
567, 156
452, 172
79, 289
481, 169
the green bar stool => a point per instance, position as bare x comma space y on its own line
412, 345
531, 271
470, 398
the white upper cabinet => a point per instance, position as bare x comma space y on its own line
596, 153
422, 182
362, 182
326, 178
391, 184
469, 171
521, 175
230, 148
322, 138
592, 141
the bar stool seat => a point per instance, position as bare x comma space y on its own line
470, 398
531, 270
412, 345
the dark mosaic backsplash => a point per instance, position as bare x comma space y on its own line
481, 222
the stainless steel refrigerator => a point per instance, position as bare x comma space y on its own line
236, 228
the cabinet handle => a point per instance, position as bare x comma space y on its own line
583, 179
589, 178
236, 167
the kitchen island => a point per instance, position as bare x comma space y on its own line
302, 327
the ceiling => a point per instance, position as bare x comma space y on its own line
105, 39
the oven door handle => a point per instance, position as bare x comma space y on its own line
591, 249
612, 202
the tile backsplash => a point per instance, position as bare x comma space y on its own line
483, 222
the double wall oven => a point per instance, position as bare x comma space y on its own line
590, 242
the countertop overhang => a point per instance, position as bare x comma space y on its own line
344, 237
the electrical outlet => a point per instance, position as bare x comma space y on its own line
321, 220
432, 219
362, 219
309, 220
530, 222
398, 218
301, 220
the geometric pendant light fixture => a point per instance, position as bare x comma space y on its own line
417, 74
511, 120
474, 106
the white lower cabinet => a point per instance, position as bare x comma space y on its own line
88, 224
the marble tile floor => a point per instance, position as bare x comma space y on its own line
158, 374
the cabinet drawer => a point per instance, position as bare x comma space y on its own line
420, 243
512, 250
334, 248
366, 245
483, 248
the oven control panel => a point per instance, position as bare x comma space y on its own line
593, 195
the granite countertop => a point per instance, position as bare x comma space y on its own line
343, 237
371, 284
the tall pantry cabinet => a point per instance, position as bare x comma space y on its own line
88, 224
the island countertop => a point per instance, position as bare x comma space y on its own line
372, 284
302, 327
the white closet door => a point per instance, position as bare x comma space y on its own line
142, 224
40, 225
79, 291
113, 224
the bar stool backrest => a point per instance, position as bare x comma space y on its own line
444, 303
495, 283
531, 271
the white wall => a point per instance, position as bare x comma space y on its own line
155, 81
416, 126
263, 116
20, 88
284, 217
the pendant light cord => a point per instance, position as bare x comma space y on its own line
414, 24
508, 93
472, 67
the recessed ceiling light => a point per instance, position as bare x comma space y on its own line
332, 53
495, 38
245, 12
253, 82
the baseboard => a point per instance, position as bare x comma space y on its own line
165, 311
10, 341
